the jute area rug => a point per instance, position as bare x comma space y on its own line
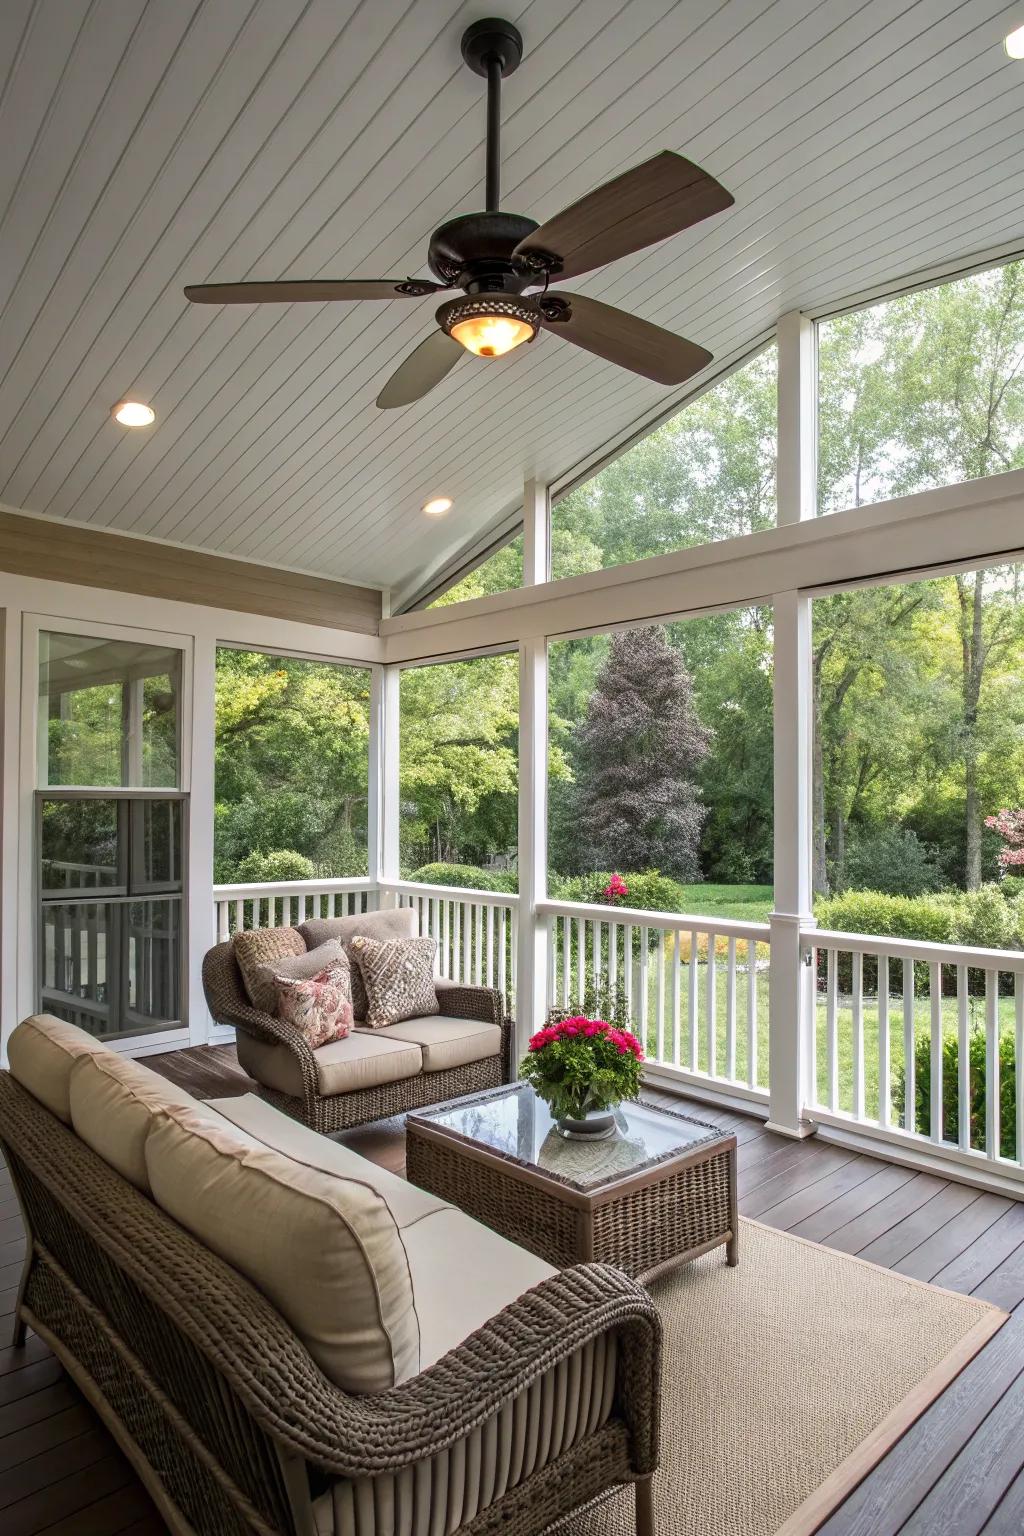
785, 1381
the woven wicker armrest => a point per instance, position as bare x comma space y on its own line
462, 1000
229, 1005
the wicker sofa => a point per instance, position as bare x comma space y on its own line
524, 1392
372, 1073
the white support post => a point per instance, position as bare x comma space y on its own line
532, 958
10, 819
536, 534
384, 807
532, 969
791, 988
796, 471
201, 918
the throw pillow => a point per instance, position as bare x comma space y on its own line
319, 1007
393, 923
257, 950
298, 967
398, 977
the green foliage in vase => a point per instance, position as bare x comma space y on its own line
579, 1065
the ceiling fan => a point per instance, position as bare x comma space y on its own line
498, 258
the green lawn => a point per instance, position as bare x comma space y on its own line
744, 903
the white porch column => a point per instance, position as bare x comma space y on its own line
791, 993
531, 942
384, 807
10, 819
201, 743
791, 989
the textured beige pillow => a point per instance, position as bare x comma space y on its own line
257, 951
42, 1051
394, 923
398, 977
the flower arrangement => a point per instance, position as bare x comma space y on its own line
615, 891
582, 1065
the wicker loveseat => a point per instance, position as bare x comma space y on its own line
532, 1391
373, 1073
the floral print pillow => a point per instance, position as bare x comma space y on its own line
319, 1007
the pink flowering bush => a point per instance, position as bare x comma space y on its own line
1010, 826
615, 891
582, 1064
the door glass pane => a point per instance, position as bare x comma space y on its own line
152, 967
156, 845
113, 967
108, 712
81, 849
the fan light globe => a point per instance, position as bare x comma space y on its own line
131, 413
1014, 43
491, 335
437, 505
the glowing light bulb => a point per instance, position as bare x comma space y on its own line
131, 413
491, 335
1014, 43
436, 505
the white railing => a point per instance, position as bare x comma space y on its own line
920, 1043
695, 988
476, 931
286, 903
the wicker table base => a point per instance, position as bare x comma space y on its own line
651, 1218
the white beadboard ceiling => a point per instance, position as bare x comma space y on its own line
146, 145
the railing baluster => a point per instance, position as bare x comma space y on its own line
676, 1010
963, 1060
909, 1054
489, 973
644, 1000
627, 965
659, 1011
613, 963
467, 940
597, 938
711, 1022
581, 959
831, 1030
884, 1083
752, 1016
566, 959
935, 1045
240, 916
446, 970
992, 1063
223, 922
857, 1012
691, 1003
730, 1010
502, 947
514, 961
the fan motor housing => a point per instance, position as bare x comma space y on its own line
474, 252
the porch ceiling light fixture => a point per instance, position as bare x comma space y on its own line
132, 413
490, 324
437, 505
1014, 43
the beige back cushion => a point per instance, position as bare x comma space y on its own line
41, 1053
257, 950
325, 1250
113, 1101
395, 923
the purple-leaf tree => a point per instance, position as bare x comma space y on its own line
638, 751
1010, 826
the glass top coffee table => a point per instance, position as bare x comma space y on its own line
661, 1191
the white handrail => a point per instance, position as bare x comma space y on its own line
292, 888
915, 949
726, 927
450, 893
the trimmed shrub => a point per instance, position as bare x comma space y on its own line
988, 917
282, 864
466, 876
893, 860
899, 917
950, 1098
650, 891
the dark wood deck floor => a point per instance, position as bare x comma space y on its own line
958, 1472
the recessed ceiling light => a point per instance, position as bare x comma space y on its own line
132, 413
1014, 43
437, 505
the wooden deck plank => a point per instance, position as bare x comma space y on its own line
951, 1240
981, 1257
1007, 1519
814, 1197
65, 1499
763, 1195
855, 1235
820, 1226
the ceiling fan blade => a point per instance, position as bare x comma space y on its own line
319, 291
422, 369
622, 338
638, 208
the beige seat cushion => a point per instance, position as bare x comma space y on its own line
258, 952
361, 1060
324, 1249
41, 1053
453, 1300
280, 1132
394, 923
446, 1042
113, 1101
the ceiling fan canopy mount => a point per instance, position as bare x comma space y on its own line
496, 257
